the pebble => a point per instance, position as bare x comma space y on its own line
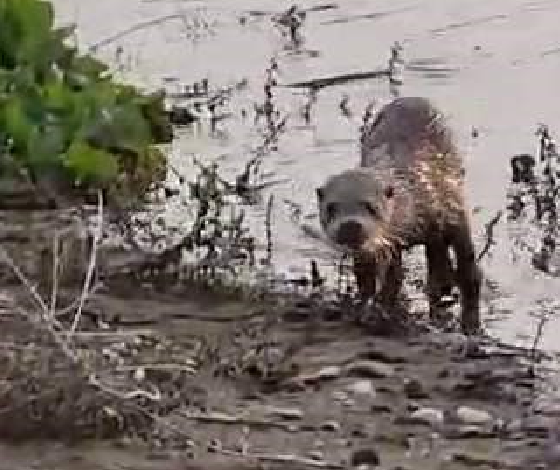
539, 426
123, 442
547, 408
307, 427
431, 416
470, 415
215, 445
470, 431
381, 409
370, 369
318, 444
341, 443
383, 356
349, 403
339, 395
365, 457
411, 407
332, 426
362, 387
414, 389
286, 413
189, 443
140, 374
326, 373
329, 372
359, 432
316, 455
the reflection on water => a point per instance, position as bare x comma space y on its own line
467, 55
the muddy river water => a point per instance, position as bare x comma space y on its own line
489, 65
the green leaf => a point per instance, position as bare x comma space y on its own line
89, 163
45, 146
32, 20
64, 112
16, 124
64, 32
57, 97
89, 66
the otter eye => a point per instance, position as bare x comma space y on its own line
389, 192
372, 210
331, 210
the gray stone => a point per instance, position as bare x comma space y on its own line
349, 402
414, 389
370, 369
332, 426
368, 457
316, 455
431, 416
339, 395
362, 387
469, 415
329, 372
286, 413
470, 431
539, 426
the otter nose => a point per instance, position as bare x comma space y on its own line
351, 234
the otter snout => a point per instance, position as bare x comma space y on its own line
351, 234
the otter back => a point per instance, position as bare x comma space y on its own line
411, 145
402, 127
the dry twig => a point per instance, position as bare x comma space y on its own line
92, 262
55, 268
268, 224
489, 232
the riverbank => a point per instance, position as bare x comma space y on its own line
182, 381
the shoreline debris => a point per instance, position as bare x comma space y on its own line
396, 64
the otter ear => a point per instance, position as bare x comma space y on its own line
389, 192
320, 193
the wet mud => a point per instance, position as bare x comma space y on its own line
287, 383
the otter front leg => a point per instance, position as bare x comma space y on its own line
390, 277
392, 281
469, 277
441, 276
365, 272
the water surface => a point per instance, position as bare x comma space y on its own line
500, 62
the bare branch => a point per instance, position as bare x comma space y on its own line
92, 261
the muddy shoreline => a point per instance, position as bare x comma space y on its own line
292, 383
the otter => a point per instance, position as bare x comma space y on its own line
408, 190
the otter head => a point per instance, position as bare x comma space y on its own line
355, 209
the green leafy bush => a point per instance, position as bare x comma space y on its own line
62, 117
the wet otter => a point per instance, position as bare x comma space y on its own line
407, 191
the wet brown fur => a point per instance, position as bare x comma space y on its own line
411, 174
